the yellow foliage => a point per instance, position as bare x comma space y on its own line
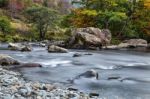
147, 3
18, 25
84, 18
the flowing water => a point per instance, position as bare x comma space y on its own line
132, 67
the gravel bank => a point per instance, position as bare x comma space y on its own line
13, 86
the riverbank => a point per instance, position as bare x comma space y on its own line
13, 86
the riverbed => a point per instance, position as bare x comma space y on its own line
130, 67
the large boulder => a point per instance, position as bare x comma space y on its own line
19, 47
26, 48
133, 43
7, 60
89, 38
56, 49
14, 46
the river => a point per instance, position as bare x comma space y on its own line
132, 67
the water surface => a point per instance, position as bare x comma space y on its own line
132, 67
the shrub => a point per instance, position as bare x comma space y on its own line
3, 3
5, 26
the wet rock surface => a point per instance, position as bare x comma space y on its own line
56, 49
13, 86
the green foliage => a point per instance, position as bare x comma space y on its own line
57, 33
115, 41
125, 18
3, 3
5, 26
43, 19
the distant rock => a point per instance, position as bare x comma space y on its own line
56, 49
13, 46
89, 38
133, 43
111, 47
57, 43
26, 49
88, 54
80, 54
19, 47
7, 60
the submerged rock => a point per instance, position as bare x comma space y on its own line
30, 65
93, 95
89, 74
7, 60
114, 78
56, 49
77, 55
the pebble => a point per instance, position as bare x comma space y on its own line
13, 86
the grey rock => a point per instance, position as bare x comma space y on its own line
89, 38
77, 55
56, 49
19, 47
133, 43
7, 60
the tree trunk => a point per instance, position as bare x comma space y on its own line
41, 35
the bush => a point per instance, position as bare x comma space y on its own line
115, 41
3, 3
5, 26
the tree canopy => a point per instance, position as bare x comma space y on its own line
125, 18
43, 18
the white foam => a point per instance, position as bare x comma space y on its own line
136, 64
106, 67
55, 62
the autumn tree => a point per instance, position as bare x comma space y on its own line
125, 18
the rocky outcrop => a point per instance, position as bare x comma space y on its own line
89, 38
133, 43
19, 47
7, 60
56, 49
